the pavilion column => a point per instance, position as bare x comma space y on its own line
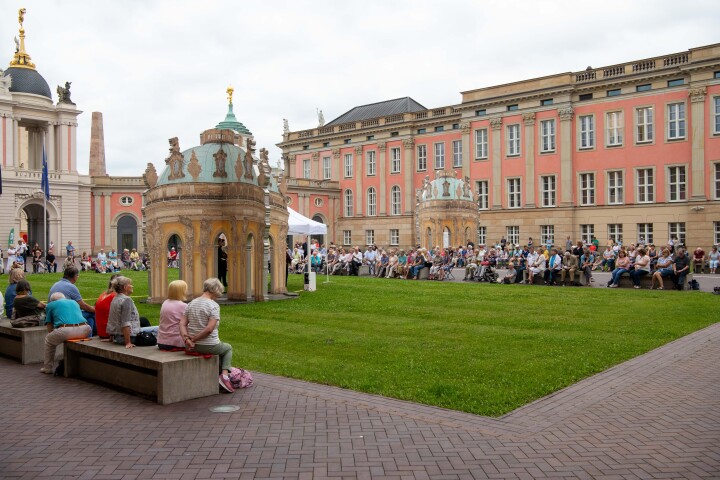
381, 199
496, 125
465, 129
409, 144
529, 145
566, 155
359, 195
697, 120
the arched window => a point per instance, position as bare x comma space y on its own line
371, 202
348, 203
395, 200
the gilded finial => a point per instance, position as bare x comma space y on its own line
21, 58
230, 91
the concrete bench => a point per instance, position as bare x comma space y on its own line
24, 344
646, 282
165, 377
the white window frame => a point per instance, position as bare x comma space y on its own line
371, 202
677, 229
645, 232
615, 182
349, 203
512, 233
677, 183
482, 189
347, 237
348, 165
481, 144
482, 235
371, 162
422, 158
514, 192
512, 133
394, 236
547, 135
614, 128
548, 190
547, 234
586, 184
615, 232
439, 149
586, 126
644, 125
395, 200
715, 113
676, 126
395, 160
457, 153
716, 181
306, 168
370, 237
716, 233
126, 200
587, 232
327, 168
645, 185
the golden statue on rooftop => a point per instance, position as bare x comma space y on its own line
21, 58
21, 16
230, 91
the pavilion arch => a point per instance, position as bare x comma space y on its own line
119, 227
33, 208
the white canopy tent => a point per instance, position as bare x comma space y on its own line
301, 225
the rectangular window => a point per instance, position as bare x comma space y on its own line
394, 236
421, 158
587, 232
677, 230
643, 88
482, 235
585, 97
395, 160
439, 128
645, 185
481, 112
326, 144
587, 131
587, 189
547, 136
716, 115
547, 234
348, 165
457, 153
615, 187
347, 140
439, 156
613, 129
615, 232
547, 188
644, 125
481, 143
371, 162
421, 130
371, 137
614, 92
482, 188
676, 183
347, 237
327, 168
716, 236
513, 234
306, 168
717, 181
676, 121
547, 101
456, 126
348, 203
645, 232
513, 193
512, 108
369, 237
676, 83
394, 134
513, 140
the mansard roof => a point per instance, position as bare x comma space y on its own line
379, 109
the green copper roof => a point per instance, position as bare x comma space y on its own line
232, 123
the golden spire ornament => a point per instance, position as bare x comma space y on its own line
21, 58
230, 91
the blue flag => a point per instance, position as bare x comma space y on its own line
45, 184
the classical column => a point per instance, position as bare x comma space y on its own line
314, 170
15, 142
50, 147
62, 158
381, 199
72, 153
529, 144
107, 220
97, 222
566, 155
465, 129
496, 126
359, 194
408, 169
697, 120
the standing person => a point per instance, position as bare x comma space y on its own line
66, 286
102, 309
124, 320
568, 244
21, 253
64, 321
641, 266
222, 257
10, 257
171, 314
199, 329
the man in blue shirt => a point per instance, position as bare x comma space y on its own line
64, 321
66, 286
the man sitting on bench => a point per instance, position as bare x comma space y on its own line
64, 321
681, 267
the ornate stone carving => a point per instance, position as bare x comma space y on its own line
382, 146
292, 157
249, 158
239, 166
175, 160
697, 94
409, 142
286, 127
529, 118
358, 150
64, 94
315, 155
220, 159
336, 153
465, 127
150, 177
194, 167
265, 170
282, 186
188, 242
496, 123
5, 83
467, 191
427, 188
566, 114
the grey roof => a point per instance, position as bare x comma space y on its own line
379, 109
28, 80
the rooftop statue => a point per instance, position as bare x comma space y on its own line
321, 118
64, 94
286, 126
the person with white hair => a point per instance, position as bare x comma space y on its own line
64, 321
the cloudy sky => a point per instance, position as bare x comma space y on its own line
159, 69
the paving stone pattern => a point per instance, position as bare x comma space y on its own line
656, 416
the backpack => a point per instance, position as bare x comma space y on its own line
145, 339
694, 284
240, 378
716, 291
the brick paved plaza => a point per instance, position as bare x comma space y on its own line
656, 416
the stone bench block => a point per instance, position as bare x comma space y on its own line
24, 344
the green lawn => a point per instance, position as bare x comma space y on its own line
484, 349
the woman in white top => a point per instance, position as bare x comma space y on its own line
641, 266
11, 257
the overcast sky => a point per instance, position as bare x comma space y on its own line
159, 69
